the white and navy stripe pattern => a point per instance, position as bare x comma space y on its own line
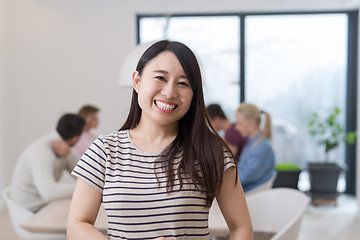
137, 204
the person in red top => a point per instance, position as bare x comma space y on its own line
232, 136
91, 115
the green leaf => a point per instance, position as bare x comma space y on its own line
287, 167
328, 131
350, 137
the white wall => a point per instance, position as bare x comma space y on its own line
60, 54
6, 86
358, 131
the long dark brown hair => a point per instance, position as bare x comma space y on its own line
196, 138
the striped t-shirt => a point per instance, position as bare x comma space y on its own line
136, 202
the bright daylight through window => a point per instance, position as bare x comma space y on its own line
295, 64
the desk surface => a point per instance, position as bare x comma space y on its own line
53, 219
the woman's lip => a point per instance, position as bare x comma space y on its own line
165, 102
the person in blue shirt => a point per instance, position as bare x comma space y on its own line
257, 161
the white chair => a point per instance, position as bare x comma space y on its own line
265, 186
217, 225
278, 211
19, 214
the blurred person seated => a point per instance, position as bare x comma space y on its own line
91, 116
232, 136
257, 161
37, 174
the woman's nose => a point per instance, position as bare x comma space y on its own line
169, 91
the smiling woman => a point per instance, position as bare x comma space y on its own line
164, 91
158, 175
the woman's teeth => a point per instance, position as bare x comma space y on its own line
165, 106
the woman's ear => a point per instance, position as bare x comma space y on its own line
136, 80
253, 123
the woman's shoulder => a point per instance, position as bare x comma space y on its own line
265, 144
117, 136
266, 141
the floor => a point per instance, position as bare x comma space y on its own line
6, 230
328, 222
332, 222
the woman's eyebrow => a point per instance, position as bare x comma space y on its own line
160, 71
166, 72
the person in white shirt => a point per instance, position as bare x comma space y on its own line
44, 163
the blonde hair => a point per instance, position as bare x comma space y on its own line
87, 112
250, 111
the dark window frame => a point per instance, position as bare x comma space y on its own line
351, 78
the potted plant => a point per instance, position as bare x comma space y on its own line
287, 175
329, 134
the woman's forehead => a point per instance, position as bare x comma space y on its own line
164, 62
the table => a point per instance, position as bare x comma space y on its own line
53, 219
217, 224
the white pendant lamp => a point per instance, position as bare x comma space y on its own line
129, 64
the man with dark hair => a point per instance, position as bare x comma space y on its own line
42, 168
232, 137
70, 125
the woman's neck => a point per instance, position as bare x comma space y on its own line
255, 132
153, 137
87, 129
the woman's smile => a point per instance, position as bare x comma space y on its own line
166, 107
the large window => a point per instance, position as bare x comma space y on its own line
288, 64
296, 65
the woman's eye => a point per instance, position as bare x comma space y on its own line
184, 84
161, 78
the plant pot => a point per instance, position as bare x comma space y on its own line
324, 179
287, 179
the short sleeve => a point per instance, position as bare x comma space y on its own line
228, 159
92, 165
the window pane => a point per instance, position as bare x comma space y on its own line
296, 65
215, 40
